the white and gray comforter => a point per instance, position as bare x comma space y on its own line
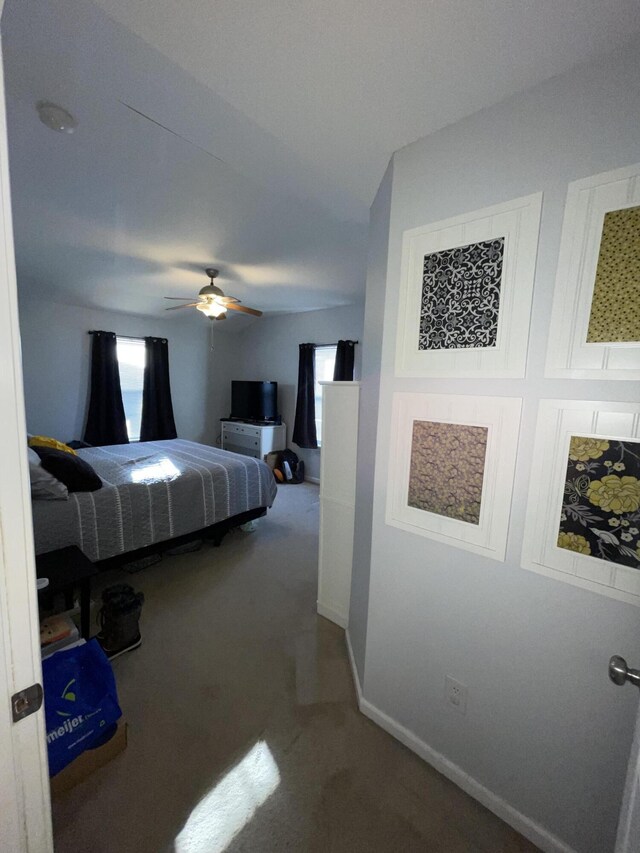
152, 491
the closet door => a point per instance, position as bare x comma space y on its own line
337, 498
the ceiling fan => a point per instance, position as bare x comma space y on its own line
212, 301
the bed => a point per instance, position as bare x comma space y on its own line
153, 492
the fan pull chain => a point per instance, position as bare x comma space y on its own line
211, 332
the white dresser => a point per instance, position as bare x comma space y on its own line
337, 498
251, 439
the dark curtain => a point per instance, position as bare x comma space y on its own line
157, 410
106, 423
304, 428
343, 370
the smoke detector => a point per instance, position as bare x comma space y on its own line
56, 117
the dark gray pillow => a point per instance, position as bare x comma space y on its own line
73, 471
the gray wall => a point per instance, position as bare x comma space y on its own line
545, 730
268, 350
223, 366
368, 415
56, 357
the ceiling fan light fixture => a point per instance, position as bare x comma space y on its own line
211, 309
212, 301
210, 290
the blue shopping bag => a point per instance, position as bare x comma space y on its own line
80, 702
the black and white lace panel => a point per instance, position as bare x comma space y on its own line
461, 296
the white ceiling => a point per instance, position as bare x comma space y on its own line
345, 83
278, 119
124, 212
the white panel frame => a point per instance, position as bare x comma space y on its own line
340, 410
558, 420
568, 353
501, 417
518, 221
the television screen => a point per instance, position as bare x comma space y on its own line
254, 401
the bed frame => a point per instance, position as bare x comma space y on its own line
215, 533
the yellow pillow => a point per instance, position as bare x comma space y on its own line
45, 441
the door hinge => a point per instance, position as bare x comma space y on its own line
26, 702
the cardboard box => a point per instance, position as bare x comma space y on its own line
90, 761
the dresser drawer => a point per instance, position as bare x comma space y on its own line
243, 451
241, 429
251, 439
237, 439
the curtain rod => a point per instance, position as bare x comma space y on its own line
137, 338
126, 337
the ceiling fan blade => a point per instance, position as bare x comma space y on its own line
178, 307
227, 300
245, 310
182, 298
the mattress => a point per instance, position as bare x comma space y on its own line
152, 491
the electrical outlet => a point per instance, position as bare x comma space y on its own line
455, 694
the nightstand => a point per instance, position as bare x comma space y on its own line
67, 568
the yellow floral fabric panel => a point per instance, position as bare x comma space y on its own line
601, 509
447, 469
615, 306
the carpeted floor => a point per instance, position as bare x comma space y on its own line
244, 734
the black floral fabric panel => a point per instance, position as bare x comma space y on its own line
601, 507
461, 296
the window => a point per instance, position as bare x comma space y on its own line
131, 362
325, 360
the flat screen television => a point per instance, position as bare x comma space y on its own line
254, 401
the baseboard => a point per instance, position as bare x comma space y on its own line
315, 480
340, 619
531, 830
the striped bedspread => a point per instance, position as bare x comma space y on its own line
152, 491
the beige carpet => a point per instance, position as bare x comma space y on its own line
244, 734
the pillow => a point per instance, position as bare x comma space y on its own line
45, 441
70, 469
44, 486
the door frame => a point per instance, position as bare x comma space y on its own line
628, 838
25, 807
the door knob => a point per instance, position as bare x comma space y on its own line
619, 672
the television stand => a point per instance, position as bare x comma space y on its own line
253, 439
